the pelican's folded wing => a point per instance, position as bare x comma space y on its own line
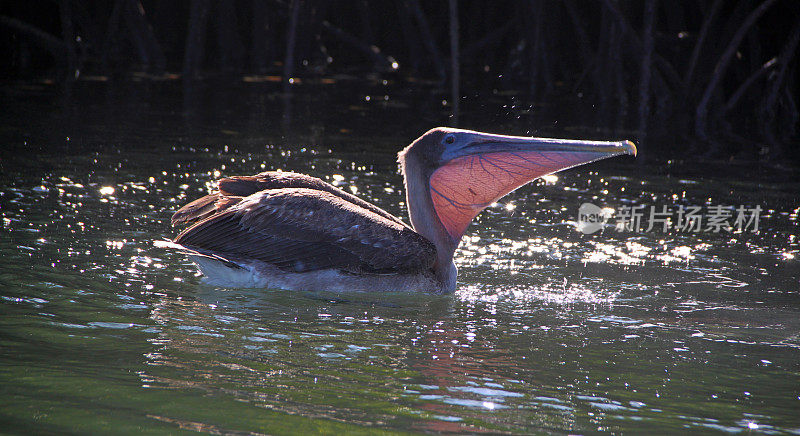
300, 230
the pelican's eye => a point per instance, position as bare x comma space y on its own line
449, 139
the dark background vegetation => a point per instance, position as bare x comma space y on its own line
717, 78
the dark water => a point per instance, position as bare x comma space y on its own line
550, 330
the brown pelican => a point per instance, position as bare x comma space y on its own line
292, 231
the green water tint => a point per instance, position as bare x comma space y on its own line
550, 330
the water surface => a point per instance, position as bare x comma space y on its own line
550, 330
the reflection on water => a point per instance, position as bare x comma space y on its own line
549, 330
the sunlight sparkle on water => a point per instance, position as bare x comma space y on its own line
338, 179
107, 190
681, 253
116, 245
603, 252
550, 179
562, 293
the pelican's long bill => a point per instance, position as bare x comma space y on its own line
476, 169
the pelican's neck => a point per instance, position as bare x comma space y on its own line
425, 221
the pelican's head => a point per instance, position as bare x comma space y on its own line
466, 171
